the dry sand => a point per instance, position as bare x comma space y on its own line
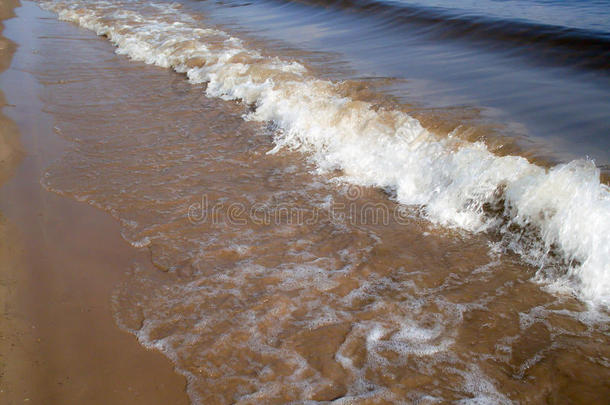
59, 263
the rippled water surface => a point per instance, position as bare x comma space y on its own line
586, 15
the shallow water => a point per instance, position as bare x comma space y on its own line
366, 259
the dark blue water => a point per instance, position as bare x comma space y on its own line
580, 14
536, 69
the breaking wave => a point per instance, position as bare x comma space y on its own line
557, 219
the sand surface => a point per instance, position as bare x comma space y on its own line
60, 260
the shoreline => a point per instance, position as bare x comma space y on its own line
60, 261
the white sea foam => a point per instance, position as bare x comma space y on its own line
565, 207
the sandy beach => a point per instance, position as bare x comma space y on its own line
59, 262
276, 202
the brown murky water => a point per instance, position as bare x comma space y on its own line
270, 282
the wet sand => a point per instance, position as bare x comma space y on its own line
60, 261
10, 148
